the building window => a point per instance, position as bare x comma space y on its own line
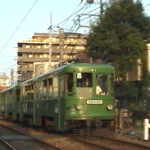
41, 56
45, 55
30, 56
39, 46
27, 46
45, 83
45, 46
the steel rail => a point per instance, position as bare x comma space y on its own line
125, 142
7, 144
32, 137
92, 144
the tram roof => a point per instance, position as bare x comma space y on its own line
74, 67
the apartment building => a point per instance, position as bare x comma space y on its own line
46, 51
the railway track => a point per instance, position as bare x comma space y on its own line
5, 145
61, 142
107, 139
105, 143
16, 140
124, 143
92, 146
68, 143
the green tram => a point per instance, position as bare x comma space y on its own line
76, 95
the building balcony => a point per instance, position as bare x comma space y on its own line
72, 50
24, 76
55, 50
30, 60
23, 60
22, 68
19, 70
33, 50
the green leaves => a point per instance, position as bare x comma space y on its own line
119, 34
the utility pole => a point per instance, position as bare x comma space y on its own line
101, 7
50, 41
61, 40
12, 77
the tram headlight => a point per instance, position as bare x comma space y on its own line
109, 107
79, 107
73, 109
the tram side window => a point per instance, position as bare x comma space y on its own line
55, 86
31, 92
50, 83
26, 89
45, 87
26, 93
18, 95
69, 82
84, 80
111, 78
45, 84
22, 93
101, 84
40, 89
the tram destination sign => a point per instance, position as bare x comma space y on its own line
94, 101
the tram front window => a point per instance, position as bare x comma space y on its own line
84, 80
101, 84
84, 85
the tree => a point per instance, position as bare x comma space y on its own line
119, 35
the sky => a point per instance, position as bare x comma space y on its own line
20, 19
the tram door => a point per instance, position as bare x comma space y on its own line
61, 85
61, 101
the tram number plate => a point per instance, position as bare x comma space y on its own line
94, 102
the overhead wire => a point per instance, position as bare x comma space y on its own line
75, 26
86, 6
19, 25
56, 50
87, 15
80, 19
86, 23
28, 14
69, 17
16, 29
